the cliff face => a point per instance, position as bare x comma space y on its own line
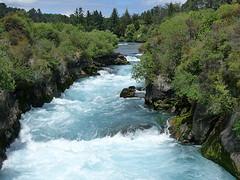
194, 125
9, 124
28, 95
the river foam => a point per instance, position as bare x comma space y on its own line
142, 155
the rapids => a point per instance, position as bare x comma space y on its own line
91, 133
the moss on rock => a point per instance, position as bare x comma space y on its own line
181, 126
213, 149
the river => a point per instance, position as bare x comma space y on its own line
90, 133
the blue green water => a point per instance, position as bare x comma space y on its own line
91, 133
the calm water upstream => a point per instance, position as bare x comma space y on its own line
77, 137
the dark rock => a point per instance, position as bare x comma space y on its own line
9, 124
128, 92
113, 59
229, 139
202, 124
180, 128
3, 157
160, 89
132, 87
214, 149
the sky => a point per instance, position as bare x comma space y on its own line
67, 7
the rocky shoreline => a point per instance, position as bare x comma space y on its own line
192, 124
27, 95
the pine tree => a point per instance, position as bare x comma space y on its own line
114, 22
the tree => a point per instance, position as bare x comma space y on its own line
124, 22
114, 22
129, 35
35, 15
3, 9
78, 16
135, 20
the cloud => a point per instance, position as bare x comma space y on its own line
68, 6
18, 1
154, 2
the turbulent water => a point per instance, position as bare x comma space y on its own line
91, 133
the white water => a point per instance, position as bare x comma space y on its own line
78, 137
133, 59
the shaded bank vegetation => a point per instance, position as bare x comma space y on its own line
30, 51
191, 64
198, 52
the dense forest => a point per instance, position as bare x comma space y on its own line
33, 44
127, 27
195, 48
135, 27
30, 51
198, 52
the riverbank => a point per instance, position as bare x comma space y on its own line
89, 132
13, 104
194, 125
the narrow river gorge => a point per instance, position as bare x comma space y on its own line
92, 133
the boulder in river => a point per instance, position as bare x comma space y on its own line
133, 91
128, 92
112, 59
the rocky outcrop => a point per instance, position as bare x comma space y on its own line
180, 128
113, 59
133, 91
160, 95
223, 146
158, 90
128, 92
28, 94
9, 124
193, 124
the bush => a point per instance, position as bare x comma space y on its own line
199, 52
7, 81
47, 31
18, 26
229, 11
30, 51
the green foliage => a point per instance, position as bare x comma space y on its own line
229, 11
18, 26
129, 35
221, 100
118, 23
237, 127
199, 52
30, 52
187, 84
47, 31
202, 4
114, 22
146, 69
100, 43
165, 47
180, 120
6, 72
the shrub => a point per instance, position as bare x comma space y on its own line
18, 26
199, 52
